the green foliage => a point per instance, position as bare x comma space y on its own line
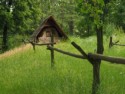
111, 29
26, 16
85, 28
18, 17
5, 15
92, 9
15, 41
116, 13
120, 13
23, 16
93, 13
64, 12
74, 16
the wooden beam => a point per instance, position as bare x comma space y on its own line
111, 59
66, 53
39, 44
43, 44
82, 52
118, 44
79, 49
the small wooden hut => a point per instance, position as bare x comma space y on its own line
46, 29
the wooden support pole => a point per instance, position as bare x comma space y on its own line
110, 42
33, 45
52, 51
96, 75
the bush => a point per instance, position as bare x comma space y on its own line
111, 29
15, 40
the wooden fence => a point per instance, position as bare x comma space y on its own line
111, 43
111, 59
91, 57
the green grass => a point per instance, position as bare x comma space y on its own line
30, 72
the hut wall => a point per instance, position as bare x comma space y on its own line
45, 36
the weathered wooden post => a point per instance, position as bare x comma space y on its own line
52, 51
110, 42
97, 62
33, 44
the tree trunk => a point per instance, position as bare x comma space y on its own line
96, 76
96, 64
88, 30
99, 32
71, 27
5, 27
5, 32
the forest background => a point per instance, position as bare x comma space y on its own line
20, 18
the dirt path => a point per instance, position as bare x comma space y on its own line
14, 51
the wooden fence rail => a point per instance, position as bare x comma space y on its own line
66, 53
111, 59
39, 44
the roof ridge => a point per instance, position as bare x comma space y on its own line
52, 22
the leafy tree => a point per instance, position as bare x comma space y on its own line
86, 23
118, 12
63, 11
18, 17
94, 12
26, 15
5, 19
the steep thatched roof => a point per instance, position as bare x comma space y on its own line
49, 22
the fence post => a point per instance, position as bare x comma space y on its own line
96, 76
33, 44
96, 68
110, 42
52, 51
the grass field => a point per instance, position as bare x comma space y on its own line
23, 71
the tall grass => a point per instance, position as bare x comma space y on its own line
29, 72
111, 29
